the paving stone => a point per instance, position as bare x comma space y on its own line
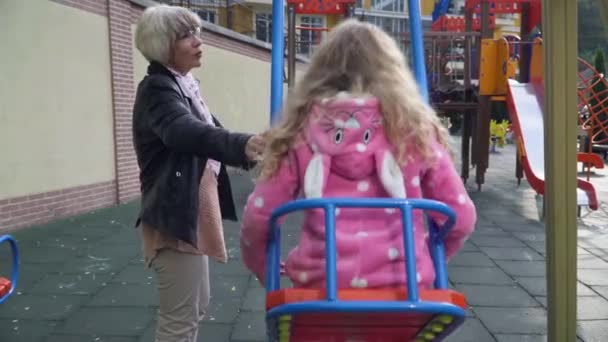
223, 286
478, 275
471, 259
255, 300
117, 294
593, 331
42, 307
531, 236
44, 254
29, 273
512, 253
530, 321
89, 338
497, 296
537, 246
594, 242
135, 274
598, 252
71, 284
126, 238
521, 338
208, 332
233, 267
492, 241
469, 247
250, 326
70, 242
104, 251
515, 223
592, 308
122, 321
591, 262
537, 286
223, 311
98, 265
19, 330
490, 231
593, 277
601, 290
254, 283
149, 333
523, 268
471, 330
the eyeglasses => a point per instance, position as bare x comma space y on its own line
192, 34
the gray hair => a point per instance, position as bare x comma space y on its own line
160, 27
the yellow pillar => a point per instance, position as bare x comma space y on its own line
560, 42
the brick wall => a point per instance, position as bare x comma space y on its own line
43, 207
121, 58
26, 210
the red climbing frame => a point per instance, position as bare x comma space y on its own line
456, 23
321, 6
509, 7
498, 6
592, 105
453, 23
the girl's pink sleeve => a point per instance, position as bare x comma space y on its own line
267, 195
443, 183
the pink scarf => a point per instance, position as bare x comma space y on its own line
190, 86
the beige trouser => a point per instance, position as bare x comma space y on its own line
183, 287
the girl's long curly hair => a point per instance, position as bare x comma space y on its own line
359, 58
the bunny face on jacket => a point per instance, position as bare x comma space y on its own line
346, 136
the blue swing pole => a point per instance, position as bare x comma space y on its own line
413, 7
276, 73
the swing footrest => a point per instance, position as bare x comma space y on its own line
293, 316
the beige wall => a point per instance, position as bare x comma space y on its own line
236, 87
55, 98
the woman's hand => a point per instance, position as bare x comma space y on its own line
254, 148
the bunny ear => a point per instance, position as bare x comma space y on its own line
390, 174
316, 175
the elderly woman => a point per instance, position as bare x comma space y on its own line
182, 151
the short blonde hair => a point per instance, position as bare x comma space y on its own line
160, 27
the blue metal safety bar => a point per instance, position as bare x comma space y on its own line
332, 304
278, 45
15, 270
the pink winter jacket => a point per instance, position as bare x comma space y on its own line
343, 153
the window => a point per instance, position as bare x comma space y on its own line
310, 38
397, 6
207, 15
263, 27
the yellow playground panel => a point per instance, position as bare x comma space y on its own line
498, 65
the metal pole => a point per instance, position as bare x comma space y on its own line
467, 122
276, 72
291, 44
482, 144
413, 7
560, 75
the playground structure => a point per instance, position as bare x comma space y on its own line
313, 7
477, 24
7, 286
525, 103
332, 315
523, 98
592, 111
500, 61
